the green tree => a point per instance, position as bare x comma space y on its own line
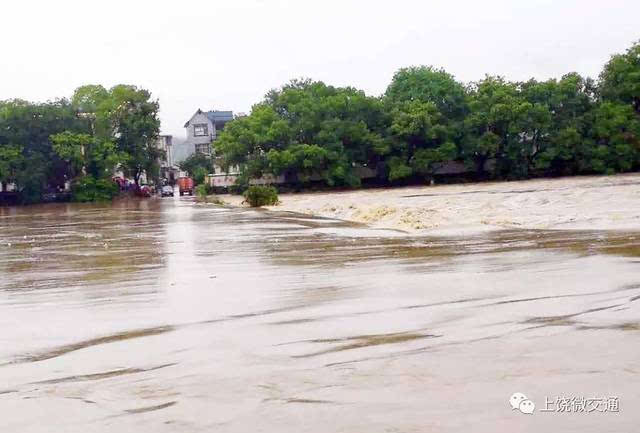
91, 102
529, 136
489, 127
198, 165
245, 140
135, 127
29, 126
44, 145
398, 168
562, 142
302, 159
306, 122
11, 163
72, 148
421, 139
620, 79
429, 84
617, 139
89, 98
426, 107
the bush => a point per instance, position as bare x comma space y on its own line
31, 191
202, 190
258, 195
199, 175
88, 188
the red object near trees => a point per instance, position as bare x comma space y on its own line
185, 185
143, 191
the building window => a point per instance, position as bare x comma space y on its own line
203, 148
200, 130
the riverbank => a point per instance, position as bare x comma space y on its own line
580, 203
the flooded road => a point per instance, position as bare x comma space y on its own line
171, 316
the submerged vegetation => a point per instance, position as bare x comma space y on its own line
308, 130
88, 189
260, 195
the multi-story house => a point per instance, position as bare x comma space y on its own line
165, 144
203, 128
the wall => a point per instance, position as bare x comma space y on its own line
200, 118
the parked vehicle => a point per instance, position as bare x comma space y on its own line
167, 191
185, 185
144, 191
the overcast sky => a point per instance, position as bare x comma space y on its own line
227, 54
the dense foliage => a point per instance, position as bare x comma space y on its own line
198, 166
304, 129
82, 140
201, 190
260, 195
308, 130
88, 189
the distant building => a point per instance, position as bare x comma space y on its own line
167, 169
165, 144
203, 129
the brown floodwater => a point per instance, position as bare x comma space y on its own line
173, 316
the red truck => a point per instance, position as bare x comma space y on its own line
185, 185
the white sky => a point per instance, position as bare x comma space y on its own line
228, 54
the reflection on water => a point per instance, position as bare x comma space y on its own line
167, 315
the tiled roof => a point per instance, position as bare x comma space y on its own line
220, 116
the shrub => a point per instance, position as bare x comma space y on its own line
202, 190
258, 195
88, 188
31, 191
199, 174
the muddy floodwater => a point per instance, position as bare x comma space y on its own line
172, 316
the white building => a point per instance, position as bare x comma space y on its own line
203, 129
167, 168
165, 144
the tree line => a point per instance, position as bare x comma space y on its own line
81, 141
497, 128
